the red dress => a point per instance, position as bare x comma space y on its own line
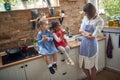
62, 41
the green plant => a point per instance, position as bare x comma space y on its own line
7, 1
34, 40
112, 8
1, 1
24, 0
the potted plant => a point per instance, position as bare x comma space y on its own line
7, 5
24, 3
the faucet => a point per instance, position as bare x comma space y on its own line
68, 32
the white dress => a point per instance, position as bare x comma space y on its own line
91, 61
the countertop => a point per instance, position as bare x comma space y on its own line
106, 27
72, 44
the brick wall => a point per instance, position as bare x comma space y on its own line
15, 24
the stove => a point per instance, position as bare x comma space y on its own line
31, 52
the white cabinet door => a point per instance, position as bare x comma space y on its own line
37, 70
13, 73
61, 72
33, 70
73, 70
101, 55
4, 74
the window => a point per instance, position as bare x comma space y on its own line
27, 4
111, 9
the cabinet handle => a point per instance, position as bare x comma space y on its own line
63, 60
61, 53
26, 65
64, 73
22, 67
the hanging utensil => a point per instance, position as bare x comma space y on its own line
34, 14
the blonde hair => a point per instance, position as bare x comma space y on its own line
41, 21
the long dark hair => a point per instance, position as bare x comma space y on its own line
55, 24
90, 10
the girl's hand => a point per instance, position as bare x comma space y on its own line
47, 38
61, 37
44, 38
64, 32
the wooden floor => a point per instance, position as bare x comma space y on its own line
107, 75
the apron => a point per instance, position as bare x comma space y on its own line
88, 48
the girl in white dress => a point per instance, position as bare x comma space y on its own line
90, 28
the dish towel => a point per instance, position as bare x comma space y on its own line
109, 47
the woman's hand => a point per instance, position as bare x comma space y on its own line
84, 33
81, 31
90, 37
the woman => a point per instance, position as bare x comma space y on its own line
90, 28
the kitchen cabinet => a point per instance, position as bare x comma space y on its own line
113, 63
101, 55
13, 73
38, 70
74, 70
66, 71
61, 72
33, 70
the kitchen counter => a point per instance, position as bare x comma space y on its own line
72, 44
106, 27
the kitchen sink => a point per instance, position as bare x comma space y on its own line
31, 52
73, 38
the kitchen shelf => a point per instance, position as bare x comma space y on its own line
106, 27
57, 6
14, 39
72, 0
49, 18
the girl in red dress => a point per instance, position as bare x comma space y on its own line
60, 41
